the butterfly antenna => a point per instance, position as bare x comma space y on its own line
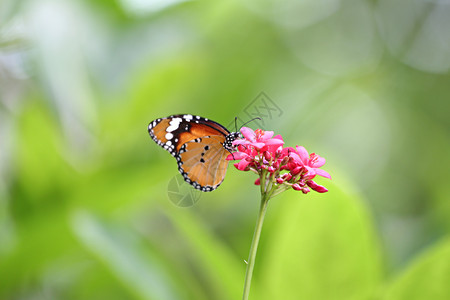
257, 118
235, 123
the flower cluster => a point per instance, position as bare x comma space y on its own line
278, 168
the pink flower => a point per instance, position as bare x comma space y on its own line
280, 167
259, 139
312, 162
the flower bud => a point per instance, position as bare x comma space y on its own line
257, 181
296, 170
285, 160
287, 176
318, 188
305, 190
276, 165
280, 180
296, 187
279, 151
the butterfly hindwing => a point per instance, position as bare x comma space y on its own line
202, 162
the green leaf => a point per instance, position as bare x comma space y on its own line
320, 246
211, 256
38, 243
122, 253
427, 278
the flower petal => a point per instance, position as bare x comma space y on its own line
248, 133
243, 165
240, 142
278, 137
258, 145
310, 173
304, 155
275, 150
296, 158
236, 156
316, 161
323, 173
288, 150
274, 142
267, 135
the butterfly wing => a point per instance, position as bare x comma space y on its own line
197, 144
202, 162
174, 131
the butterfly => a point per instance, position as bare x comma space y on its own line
199, 145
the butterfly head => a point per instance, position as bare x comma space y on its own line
230, 138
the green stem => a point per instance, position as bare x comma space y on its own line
254, 247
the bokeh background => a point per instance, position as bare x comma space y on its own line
84, 207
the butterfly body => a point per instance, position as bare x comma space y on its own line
199, 145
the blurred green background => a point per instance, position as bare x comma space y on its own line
84, 207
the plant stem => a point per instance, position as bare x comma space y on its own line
254, 247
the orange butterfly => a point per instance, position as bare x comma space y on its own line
199, 145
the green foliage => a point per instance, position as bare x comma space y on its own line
84, 212
426, 278
322, 247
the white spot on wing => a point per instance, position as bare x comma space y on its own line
174, 124
169, 136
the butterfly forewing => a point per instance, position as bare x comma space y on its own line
198, 145
158, 132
